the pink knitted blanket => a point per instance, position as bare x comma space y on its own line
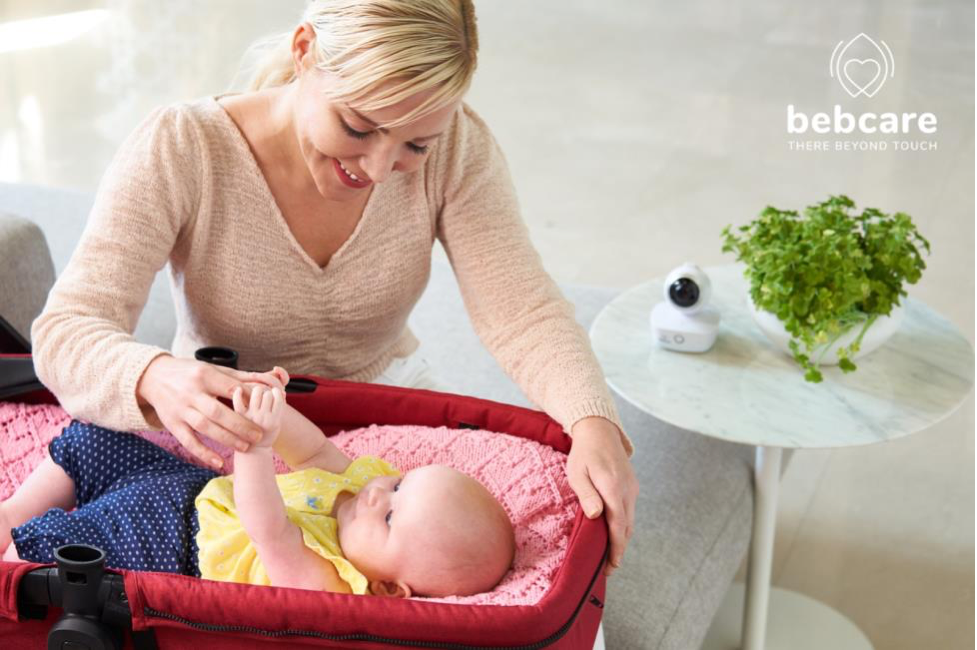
528, 478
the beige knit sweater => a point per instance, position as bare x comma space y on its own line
185, 189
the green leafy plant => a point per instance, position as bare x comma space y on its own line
827, 271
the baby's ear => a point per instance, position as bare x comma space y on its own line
398, 589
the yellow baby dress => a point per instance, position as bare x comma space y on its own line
226, 552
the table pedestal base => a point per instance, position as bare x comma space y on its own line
599, 641
796, 622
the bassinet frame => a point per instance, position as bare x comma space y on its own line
166, 610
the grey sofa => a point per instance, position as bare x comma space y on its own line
694, 513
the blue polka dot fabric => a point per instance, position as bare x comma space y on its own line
135, 502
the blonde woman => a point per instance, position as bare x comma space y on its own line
298, 220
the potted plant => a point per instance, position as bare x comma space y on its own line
828, 277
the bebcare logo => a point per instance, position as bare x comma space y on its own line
861, 66
862, 76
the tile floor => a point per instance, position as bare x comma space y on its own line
635, 131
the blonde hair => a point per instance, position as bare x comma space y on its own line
416, 44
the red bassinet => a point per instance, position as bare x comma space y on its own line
174, 611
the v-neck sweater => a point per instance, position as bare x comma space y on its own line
185, 191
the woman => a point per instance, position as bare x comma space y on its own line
298, 221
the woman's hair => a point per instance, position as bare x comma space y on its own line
417, 45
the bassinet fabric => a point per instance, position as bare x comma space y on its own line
528, 478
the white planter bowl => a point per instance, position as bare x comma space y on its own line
877, 334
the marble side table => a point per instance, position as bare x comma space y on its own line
744, 390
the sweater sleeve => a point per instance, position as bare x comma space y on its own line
83, 347
515, 307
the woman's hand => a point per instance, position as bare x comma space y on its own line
600, 473
264, 409
184, 394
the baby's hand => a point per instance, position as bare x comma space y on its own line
277, 376
265, 410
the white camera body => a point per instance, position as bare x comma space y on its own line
685, 321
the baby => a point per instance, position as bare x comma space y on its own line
334, 524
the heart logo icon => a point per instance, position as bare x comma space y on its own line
857, 70
862, 76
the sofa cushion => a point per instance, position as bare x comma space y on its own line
26, 270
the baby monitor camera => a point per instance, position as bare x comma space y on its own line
685, 321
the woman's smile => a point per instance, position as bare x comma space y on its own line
348, 178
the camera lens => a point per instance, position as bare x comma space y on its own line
684, 292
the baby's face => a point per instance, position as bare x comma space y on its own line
421, 533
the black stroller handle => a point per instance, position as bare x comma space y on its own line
96, 610
17, 376
217, 355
